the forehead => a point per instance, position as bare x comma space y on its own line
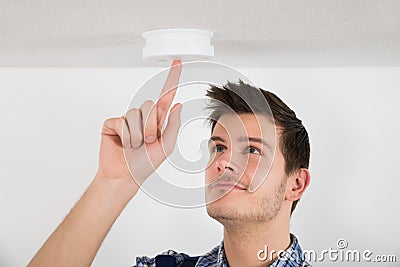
247, 124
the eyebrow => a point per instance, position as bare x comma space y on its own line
243, 139
215, 138
255, 139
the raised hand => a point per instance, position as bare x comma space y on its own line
139, 134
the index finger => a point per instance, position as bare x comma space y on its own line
169, 89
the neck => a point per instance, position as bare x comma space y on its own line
244, 240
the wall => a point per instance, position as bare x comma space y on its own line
50, 132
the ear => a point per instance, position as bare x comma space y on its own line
297, 184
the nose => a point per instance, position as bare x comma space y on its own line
225, 163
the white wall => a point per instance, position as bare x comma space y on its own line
50, 132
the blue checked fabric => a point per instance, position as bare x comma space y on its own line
292, 257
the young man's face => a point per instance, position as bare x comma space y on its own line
238, 156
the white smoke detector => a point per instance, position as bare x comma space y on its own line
185, 44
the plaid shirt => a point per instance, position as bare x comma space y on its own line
292, 257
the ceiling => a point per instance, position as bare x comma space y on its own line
259, 33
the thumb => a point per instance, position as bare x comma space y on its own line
168, 138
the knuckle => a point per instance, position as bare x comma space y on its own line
132, 112
148, 103
107, 123
110, 123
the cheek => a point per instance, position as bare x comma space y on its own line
209, 172
253, 165
210, 167
259, 169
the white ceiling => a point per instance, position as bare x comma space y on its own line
259, 33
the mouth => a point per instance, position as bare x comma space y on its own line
228, 186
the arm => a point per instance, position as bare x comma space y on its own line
77, 239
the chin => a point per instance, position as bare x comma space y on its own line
228, 214
219, 212
225, 205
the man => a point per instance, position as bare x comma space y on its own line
253, 218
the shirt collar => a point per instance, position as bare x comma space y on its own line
216, 257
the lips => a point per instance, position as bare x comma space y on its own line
228, 186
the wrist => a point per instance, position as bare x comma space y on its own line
124, 188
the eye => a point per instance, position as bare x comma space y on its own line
220, 148
254, 150
217, 148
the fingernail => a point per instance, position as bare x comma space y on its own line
150, 138
179, 108
176, 62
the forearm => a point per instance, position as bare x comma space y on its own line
77, 239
